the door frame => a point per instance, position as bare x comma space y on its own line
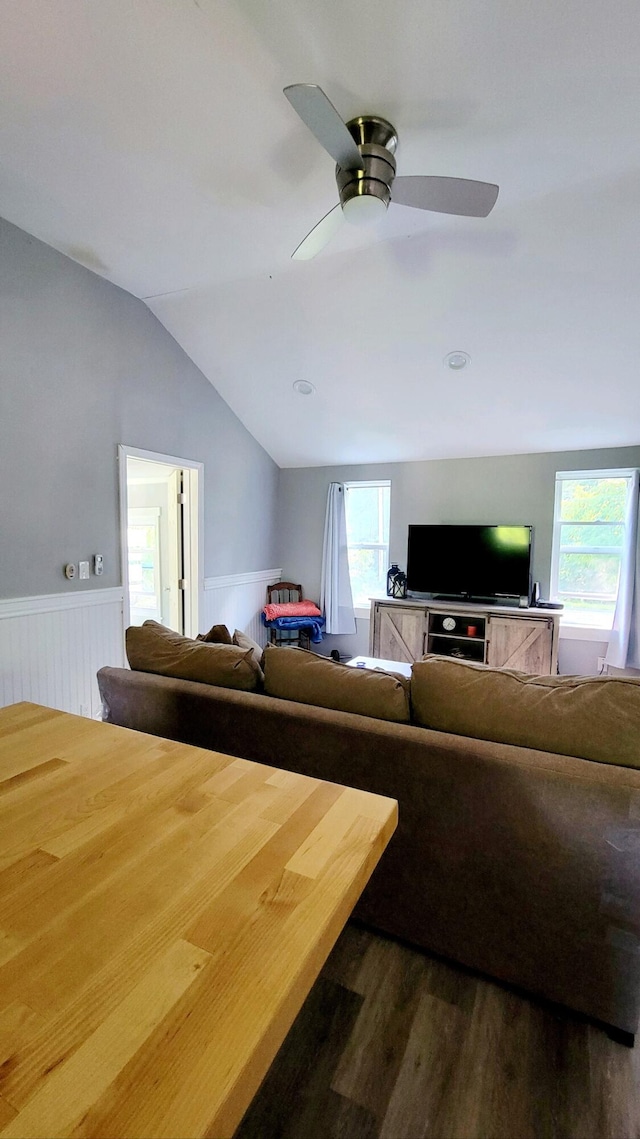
193, 531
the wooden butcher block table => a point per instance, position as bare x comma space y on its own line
164, 911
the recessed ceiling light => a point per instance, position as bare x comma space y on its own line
303, 387
457, 360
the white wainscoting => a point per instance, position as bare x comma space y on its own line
51, 648
237, 601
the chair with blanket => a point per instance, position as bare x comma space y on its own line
291, 630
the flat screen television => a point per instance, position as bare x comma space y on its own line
479, 562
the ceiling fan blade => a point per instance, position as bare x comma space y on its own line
445, 195
322, 119
320, 235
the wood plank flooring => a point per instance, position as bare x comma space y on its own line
394, 1044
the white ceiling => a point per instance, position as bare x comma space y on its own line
150, 140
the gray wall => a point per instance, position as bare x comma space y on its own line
507, 489
85, 366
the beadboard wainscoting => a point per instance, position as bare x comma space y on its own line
237, 601
51, 648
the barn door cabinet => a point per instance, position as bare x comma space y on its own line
399, 631
521, 643
498, 635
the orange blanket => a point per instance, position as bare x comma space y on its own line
292, 609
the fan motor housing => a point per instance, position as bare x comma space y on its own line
376, 140
372, 128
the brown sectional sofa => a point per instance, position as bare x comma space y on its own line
520, 863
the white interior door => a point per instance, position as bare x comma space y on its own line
175, 558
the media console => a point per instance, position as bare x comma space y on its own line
500, 635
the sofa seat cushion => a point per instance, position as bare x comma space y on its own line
296, 674
591, 717
152, 648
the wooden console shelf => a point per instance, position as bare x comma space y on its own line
499, 635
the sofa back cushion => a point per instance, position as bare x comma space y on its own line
152, 648
591, 717
296, 674
217, 635
244, 641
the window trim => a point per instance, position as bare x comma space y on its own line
595, 632
361, 612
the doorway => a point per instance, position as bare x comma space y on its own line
161, 508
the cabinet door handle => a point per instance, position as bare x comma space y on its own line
424, 641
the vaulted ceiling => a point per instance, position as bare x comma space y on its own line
150, 141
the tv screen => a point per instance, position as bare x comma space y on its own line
469, 561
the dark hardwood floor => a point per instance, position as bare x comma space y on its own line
394, 1044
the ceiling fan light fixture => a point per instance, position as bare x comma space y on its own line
363, 150
303, 387
457, 360
364, 209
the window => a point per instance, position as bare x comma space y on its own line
367, 511
588, 543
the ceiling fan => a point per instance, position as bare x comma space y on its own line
363, 149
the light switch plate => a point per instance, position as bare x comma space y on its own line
98, 564
84, 570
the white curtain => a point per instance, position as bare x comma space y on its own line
336, 599
624, 643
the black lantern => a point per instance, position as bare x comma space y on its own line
399, 585
391, 573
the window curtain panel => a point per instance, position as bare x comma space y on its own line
624, 643
336, 599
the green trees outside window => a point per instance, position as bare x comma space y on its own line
589, 534
367, 514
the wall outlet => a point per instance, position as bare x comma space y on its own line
83, 567
602, 666
98, 564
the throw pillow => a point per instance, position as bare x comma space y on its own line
152, 648
244, 641
593, 717
217, 635
296, 674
